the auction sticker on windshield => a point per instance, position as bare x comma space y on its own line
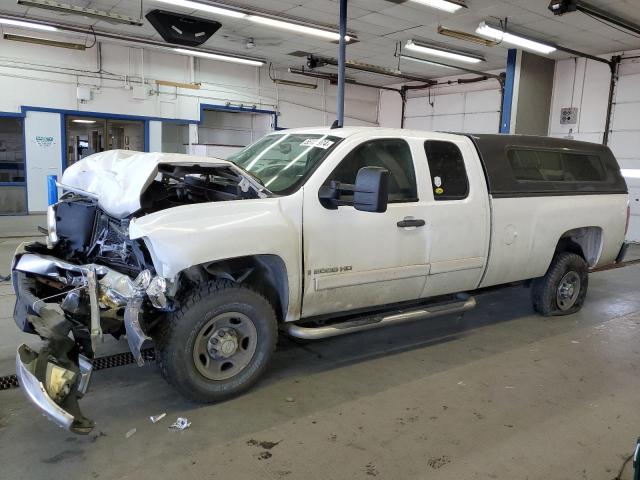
319, 143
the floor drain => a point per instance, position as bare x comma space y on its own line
110, 361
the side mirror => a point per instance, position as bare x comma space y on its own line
371, 193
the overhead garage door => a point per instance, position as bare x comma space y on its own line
625, 141
470, 112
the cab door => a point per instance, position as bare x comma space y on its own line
355, 259
458, 215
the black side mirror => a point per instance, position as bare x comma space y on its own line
372, 190
329, 195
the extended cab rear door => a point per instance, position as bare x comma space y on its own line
457, 213
355, 259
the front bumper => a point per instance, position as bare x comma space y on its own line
57, 376
66, 415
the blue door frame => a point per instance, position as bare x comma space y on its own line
116, 116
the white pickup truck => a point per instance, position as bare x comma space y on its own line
311, 232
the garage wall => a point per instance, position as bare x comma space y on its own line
43, 137
584, 84
473, 108
44, 76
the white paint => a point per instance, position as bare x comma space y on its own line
584, 84
633, 181
44, 82
43, 154
353, 258
155, 136
478, 104
232, 227
538, 232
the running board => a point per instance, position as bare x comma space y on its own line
376, 321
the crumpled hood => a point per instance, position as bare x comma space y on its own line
119, 177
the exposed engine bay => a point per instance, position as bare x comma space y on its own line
87, 234
91, 279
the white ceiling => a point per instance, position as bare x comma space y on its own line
379, 24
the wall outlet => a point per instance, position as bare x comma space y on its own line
568, 116
83, 93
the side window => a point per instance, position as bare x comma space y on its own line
555, 166
448, 176
392, 154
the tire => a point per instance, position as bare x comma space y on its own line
552, 294
193, 342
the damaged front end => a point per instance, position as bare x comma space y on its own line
92, 279
71, 306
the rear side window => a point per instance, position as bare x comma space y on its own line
392, 154
446, 167
556, 166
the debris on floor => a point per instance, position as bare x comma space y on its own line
131, 433
157, 418
290, 399
180, 424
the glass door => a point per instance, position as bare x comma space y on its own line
13, 189
89, 135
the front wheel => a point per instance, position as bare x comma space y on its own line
219, 342
563, 288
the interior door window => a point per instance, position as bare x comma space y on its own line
390, 153
446, 166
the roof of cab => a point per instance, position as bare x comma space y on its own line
344, 132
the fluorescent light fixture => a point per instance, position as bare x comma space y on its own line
450, 7
467, 37
440, 52
497, 34
219, 56
205, 8
79, 120
83, 11
20, 23
293, 83
44, 41
295, 27
261, 19
422, 60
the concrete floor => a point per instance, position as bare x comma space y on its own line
500, 394
12, 226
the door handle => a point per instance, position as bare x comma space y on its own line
411, 222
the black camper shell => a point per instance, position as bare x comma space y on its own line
530, 166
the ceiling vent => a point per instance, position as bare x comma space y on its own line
182, 29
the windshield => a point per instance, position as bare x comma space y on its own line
283, 161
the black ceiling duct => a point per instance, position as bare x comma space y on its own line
182, 29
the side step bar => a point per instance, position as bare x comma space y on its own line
376, 321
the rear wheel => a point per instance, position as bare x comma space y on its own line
219, 343
563, 288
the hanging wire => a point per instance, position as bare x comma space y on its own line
95, 38
604, 22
